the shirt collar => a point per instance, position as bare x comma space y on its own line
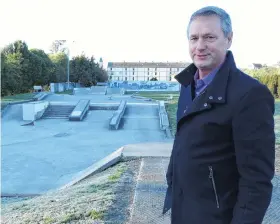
208, 78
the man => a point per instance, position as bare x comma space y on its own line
222, 161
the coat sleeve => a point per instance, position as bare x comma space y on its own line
254, 142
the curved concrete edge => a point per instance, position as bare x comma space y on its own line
141, 98
163, 119
116, 118
40, 96
125, 153
97, 167
80, 110
6, 108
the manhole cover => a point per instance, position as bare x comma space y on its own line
61, 135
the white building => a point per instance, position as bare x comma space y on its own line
144, 71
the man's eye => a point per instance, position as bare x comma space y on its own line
209, 37
193, 38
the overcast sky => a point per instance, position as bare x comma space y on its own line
139, 30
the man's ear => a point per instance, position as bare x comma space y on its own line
229, 38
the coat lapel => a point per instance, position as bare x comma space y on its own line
215, 93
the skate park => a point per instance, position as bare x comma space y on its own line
46, 149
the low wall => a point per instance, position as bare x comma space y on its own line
79, 111
163, 117
34, 110
116, 118
61, 87
40, 96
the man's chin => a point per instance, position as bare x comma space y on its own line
200, 65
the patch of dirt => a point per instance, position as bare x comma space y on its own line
98, 199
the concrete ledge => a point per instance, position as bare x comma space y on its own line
163, 119
144, 150
104, 106
40, 96
125, 153
116, 118
80, 110
141, 98
101, 165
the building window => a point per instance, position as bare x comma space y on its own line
177, 69
125, 78
111, 69
169, 78
118, 78
155, 73
148, 78
133, 73
133, 78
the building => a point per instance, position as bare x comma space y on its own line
144, 71
255, 66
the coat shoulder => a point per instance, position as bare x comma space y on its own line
241, 83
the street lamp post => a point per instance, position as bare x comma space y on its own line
68, 70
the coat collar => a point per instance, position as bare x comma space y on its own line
216, 91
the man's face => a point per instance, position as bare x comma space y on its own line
207, 42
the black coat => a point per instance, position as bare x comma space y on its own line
222, 161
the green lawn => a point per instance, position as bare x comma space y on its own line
18, 97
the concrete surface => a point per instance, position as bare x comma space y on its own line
49, 154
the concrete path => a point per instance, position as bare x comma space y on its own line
150, 193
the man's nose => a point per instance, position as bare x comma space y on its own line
200, 44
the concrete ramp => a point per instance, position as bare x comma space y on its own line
13, 113
141, 116
98, 90
81, 91
114, 91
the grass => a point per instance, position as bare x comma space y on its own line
18, 97
117, 175
96, 215
82, 203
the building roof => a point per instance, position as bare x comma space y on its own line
148, 64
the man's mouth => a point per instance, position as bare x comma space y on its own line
201, 56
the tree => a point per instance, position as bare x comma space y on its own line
57, 46
154, 79
60, 66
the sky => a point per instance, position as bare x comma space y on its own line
139, 30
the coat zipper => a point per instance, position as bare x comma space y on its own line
211, 176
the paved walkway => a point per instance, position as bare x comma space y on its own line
150, 193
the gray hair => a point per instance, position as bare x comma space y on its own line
213, 10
